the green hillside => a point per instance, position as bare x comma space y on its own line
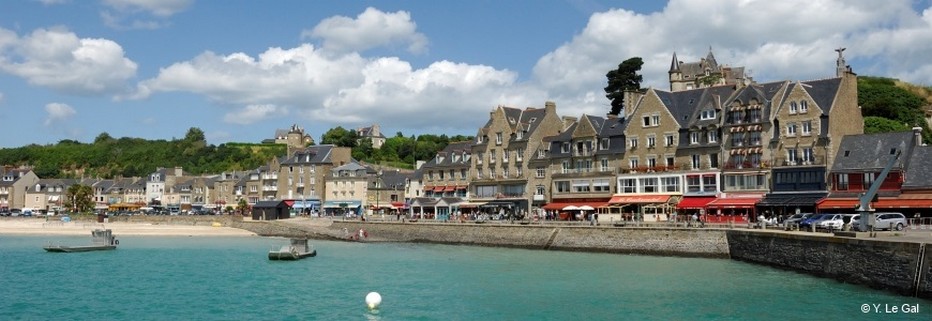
892, 105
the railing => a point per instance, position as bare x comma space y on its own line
650, 169
743, 165
269, 188
815, 160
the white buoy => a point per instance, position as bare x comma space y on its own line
373, 299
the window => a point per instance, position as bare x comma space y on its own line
670, 160
807, 155
520, 134
478, 173
755, 139
651, 162
492, 156
655, 120
540, 190
841, 181
668, 140
803, 106
869, 179
603, 144
791, 156
565, 147
603, 165
628, 185
713, 136
562, 186
693, 184
708, 183
478, 139
541, 153
633, 162
694, 138
695, 161
791, 129
651, 141
707, 114
737, 139
793, 107
633, 142
670, 184
581, 186
498, 138
541, 172
649, 184
462, 173
713, 160
807, 128
754, 115
519, 172
601, 185
505, 172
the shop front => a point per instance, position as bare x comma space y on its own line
646, 208
732, 209
346, 208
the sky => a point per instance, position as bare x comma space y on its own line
239, 70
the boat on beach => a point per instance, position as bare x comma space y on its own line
102, 240
298, 249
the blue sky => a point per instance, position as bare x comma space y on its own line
240, 69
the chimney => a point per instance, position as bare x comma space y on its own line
178, 171
917, 135
568, 121
631, 100
550, 107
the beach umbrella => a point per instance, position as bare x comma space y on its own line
570, 208
586, 208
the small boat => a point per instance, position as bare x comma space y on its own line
298, 249
103, 240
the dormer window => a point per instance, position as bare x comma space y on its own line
478, 139
511, 120
533, 119
498, 138
520, 134
707, 114
603, 144
565, 147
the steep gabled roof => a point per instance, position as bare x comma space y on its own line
823, 92
919, 172
871, 152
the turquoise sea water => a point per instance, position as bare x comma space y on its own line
198, 278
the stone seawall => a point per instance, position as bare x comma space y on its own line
651, 241
902, 267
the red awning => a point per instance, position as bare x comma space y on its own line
695, 202
290, 203
832, 203
618, 199
734, 202
438, 189
399, 205
461, 187
851, 204
560, 205
449, 188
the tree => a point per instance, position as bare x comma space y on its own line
79, 198
242, 206
340, 136
874, 124
624, 78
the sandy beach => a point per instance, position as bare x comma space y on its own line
34, 226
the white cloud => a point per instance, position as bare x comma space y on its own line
372, 28
161, 8
52, 2
58, 59
792, 40
254, 113
58, 112
1, 97
774, 40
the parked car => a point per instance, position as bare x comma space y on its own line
834, 221
887, 221
796, 219
809, 221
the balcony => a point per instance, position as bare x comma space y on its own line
583, 153
300, 185
269, 188
649, 169
745, 165
812, 161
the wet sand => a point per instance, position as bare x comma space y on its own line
38, 226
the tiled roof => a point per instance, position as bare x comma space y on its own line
871, 152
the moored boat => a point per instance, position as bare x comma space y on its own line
102, 240
298, 249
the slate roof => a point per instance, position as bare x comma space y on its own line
919, 172
457, 148
871, 152
394, 179
319, 154
15, 174
823, 92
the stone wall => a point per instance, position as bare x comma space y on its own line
652, 241
881, 264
